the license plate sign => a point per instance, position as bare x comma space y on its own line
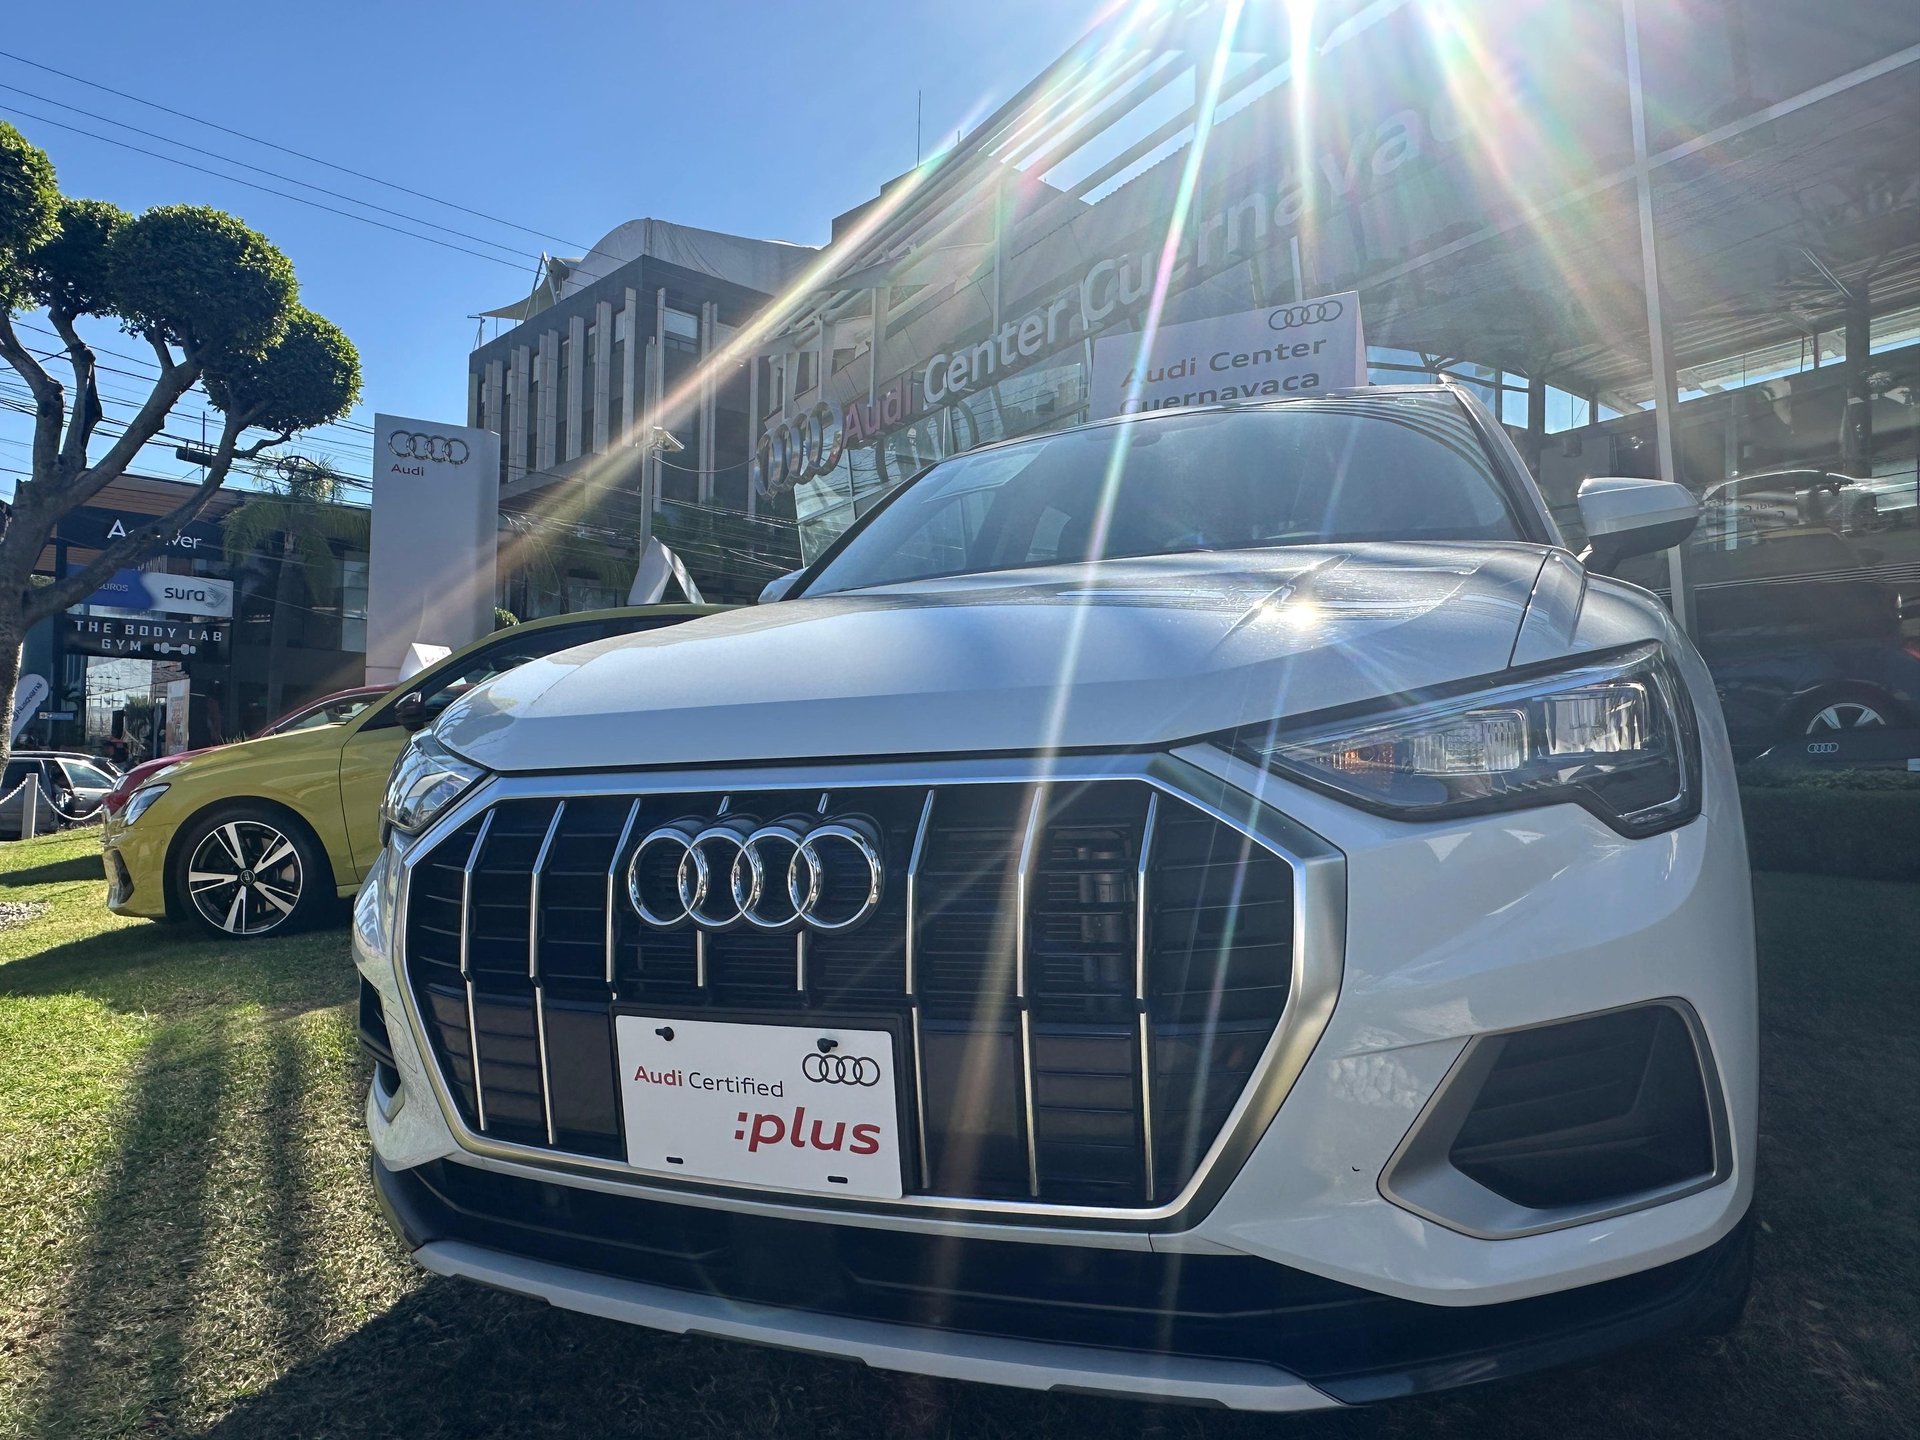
790, 1107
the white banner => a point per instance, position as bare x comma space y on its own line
1299, 349
158, 593
436, 507
29, 694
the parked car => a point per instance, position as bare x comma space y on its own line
1217, 905
1803, 637
72, 787
333, 709
248, 839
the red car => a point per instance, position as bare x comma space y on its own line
334, 709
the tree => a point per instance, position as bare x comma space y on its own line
218, 305
297, 519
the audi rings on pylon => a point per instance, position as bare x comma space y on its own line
781, 875
1314, 312
419, 445
841, 1070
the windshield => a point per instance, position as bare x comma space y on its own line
1308, 472
331, 712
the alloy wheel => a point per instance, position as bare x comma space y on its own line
245, 877
1845, 715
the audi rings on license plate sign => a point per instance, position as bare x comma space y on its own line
790, 1107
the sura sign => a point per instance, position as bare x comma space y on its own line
163, 594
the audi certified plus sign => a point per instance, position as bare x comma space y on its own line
1222, 905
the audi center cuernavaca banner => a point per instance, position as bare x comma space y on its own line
436, 506
1298, 349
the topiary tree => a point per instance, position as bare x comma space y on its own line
217, 303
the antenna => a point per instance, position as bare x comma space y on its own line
918, 95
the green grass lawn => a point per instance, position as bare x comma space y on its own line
188, 1244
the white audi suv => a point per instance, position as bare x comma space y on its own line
1220, 904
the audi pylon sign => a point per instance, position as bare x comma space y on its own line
436, 505
1269, 354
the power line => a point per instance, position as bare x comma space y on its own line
262, 170
288, 150
254, 185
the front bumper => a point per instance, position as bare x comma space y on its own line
1453, 931
1226, 1330
135, 857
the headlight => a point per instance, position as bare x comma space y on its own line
1614, 734
141, 801
428, 778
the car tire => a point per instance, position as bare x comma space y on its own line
1840, 709
244, 871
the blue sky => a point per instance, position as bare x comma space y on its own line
752, 116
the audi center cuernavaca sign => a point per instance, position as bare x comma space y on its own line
1298, 349
158, 593
436, 505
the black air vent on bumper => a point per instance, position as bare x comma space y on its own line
1081, 977
1567, 1121
1588, 1111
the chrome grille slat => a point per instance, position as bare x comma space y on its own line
466, 966
613, 891
1050, 956
912, 980
1140, 991
533, 966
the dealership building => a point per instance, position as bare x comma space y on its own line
606, 351
1675, 240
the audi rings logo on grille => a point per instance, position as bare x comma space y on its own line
841, 1070
825, 875
419, 445
1314, 312
1824, 747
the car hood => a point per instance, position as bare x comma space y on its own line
292, 748
1114, 654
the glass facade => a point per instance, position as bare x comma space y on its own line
1677, 239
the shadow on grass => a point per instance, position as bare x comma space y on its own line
121, 1362
1826, 1351
173, 969
55, 872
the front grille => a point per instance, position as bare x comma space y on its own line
1081, 977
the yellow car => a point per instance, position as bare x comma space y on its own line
265, 835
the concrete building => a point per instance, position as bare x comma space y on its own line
608, 349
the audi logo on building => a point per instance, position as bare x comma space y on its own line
1316, 312
419, 445
841, 1070
825, 875
801, 448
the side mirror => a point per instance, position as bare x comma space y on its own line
1625, 517
777, 588
410, 711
